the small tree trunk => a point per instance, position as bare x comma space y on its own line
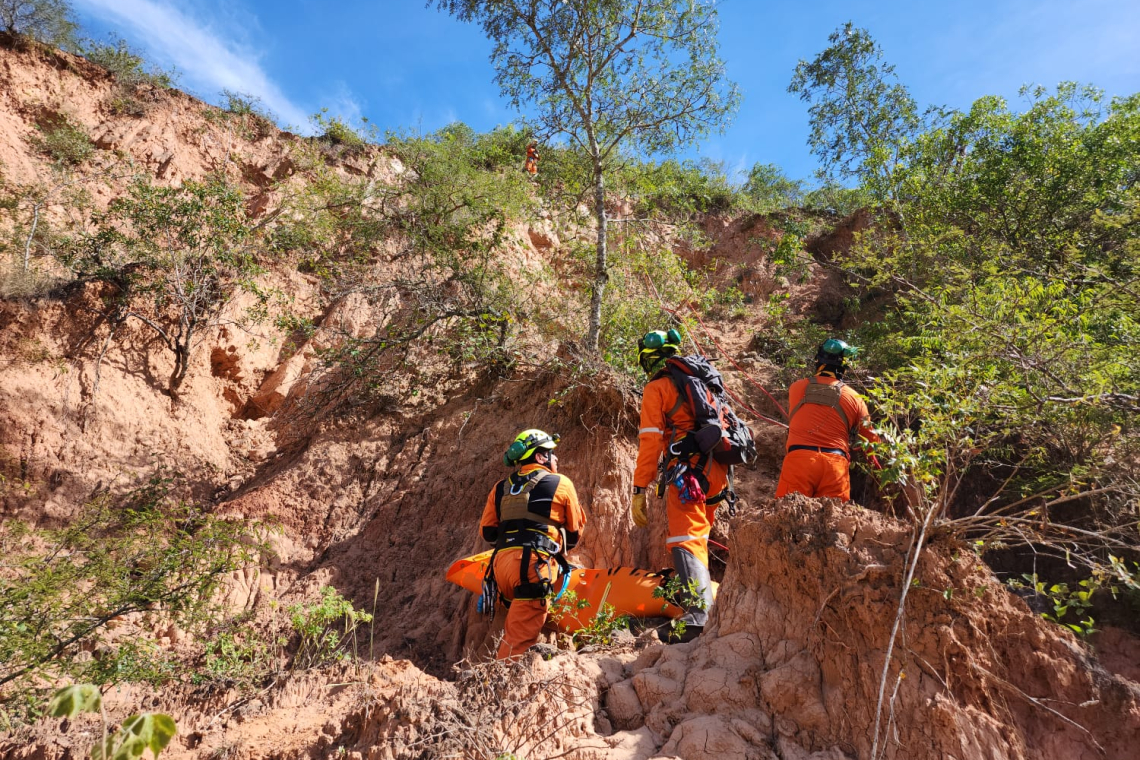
601, 273
181, 364
31, 236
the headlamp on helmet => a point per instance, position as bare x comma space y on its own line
526, 443
656, 346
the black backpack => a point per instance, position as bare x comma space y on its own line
717, 430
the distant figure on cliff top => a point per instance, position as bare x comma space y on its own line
531, 164
824, 415
532, 517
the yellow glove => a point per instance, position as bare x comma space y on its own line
638, 510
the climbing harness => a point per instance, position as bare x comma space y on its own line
824, 394
523, 504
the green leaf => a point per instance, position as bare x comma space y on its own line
148, 729
72, 700
138, 733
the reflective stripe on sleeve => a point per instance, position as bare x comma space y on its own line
643, 431
679, 539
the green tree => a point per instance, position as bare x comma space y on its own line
771, 189
145, 552
188, 248
604, 74
49, 21
861, 116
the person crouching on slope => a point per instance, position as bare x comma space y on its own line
532, 517
824, 413
665, 434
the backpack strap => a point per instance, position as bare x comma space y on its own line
822, 395
530, 499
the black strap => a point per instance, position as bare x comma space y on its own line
820, 449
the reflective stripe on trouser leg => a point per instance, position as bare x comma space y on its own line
689, 568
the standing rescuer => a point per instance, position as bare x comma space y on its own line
532, 517
666, 436
531, 164
824, 414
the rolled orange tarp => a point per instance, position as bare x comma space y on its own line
628, 590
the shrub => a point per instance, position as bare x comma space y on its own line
64, 140
326, 630
52, 22
769, 189
257, 121
127, 66
146, 552
336, 132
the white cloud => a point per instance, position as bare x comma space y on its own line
208, 60
344, 104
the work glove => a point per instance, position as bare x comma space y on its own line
639, 511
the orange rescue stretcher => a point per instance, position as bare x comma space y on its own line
628, 590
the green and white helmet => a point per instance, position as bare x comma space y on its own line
834, 353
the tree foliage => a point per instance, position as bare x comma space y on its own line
1007, 252
771, 189
423, 249
603, 74
146, 552
49, 21
187, 249
861, 117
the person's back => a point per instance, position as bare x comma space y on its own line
532, 517
815, 424
823, 413
667, 436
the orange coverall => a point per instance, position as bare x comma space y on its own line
816, 473
532, 160
689, 525
526, 617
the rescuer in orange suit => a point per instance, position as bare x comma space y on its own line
664, 437
532, 517
532, 159
823, 415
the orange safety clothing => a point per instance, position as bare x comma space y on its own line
526, 617
689, 523
818, 425
822, 473
532, 159
814, 473
564, 509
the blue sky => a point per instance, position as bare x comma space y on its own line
405, 66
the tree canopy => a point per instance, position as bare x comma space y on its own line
607, 74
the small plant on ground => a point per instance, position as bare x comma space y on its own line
601, 628
127, 66
241, 660
327, 630
684, 595
138, 733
